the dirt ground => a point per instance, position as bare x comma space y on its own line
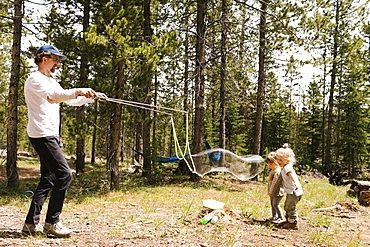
105, 226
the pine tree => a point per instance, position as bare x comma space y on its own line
6, 44
354, 113
331, 32
11, 154
314, 124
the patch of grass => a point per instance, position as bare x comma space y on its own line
325, 238
16, 195
355, 240
328, 236
115, 232
162, 208
320, 219
13, 195
319, 193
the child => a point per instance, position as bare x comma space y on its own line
286, 158
275, 190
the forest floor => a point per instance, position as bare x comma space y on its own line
168, 214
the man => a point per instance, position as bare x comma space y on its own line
43, 95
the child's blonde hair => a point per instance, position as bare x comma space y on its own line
285, 153
270, 159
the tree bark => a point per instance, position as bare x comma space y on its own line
223, 77
12, 130
327, 159
261, 80
198, 139
261, 86
80, 142
183, 168
147, 89
323, 117
138, 133
114, 147
93, 142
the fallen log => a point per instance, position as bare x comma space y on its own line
361, 190
364, 198
342, 206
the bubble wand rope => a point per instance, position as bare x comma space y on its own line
177, 145
141, 105
187, 146
133, 103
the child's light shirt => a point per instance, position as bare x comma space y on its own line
275, 183
288, 184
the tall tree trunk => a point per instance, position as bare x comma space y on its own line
186, 74
138, 132
80, 142
327, 161
323, 118
93, 142
114, 147
183, 168
123, 152
147, 88
11, 164
198, 139
261, 80
154, 131
261, 85
223, 76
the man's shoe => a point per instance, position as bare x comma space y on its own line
32, 229
58, 230
292, 226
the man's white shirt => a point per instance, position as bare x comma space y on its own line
43, 95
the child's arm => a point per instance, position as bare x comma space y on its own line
294, 179
271, 178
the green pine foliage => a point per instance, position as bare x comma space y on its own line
354, 112
5, 65
334, 33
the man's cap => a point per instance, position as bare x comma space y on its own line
50, 49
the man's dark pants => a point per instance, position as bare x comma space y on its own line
55, 175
